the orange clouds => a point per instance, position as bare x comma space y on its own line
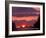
28, 18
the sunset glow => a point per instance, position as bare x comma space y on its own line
23, 26
28, 18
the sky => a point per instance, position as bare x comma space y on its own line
25, 11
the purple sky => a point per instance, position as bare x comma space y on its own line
24, 11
